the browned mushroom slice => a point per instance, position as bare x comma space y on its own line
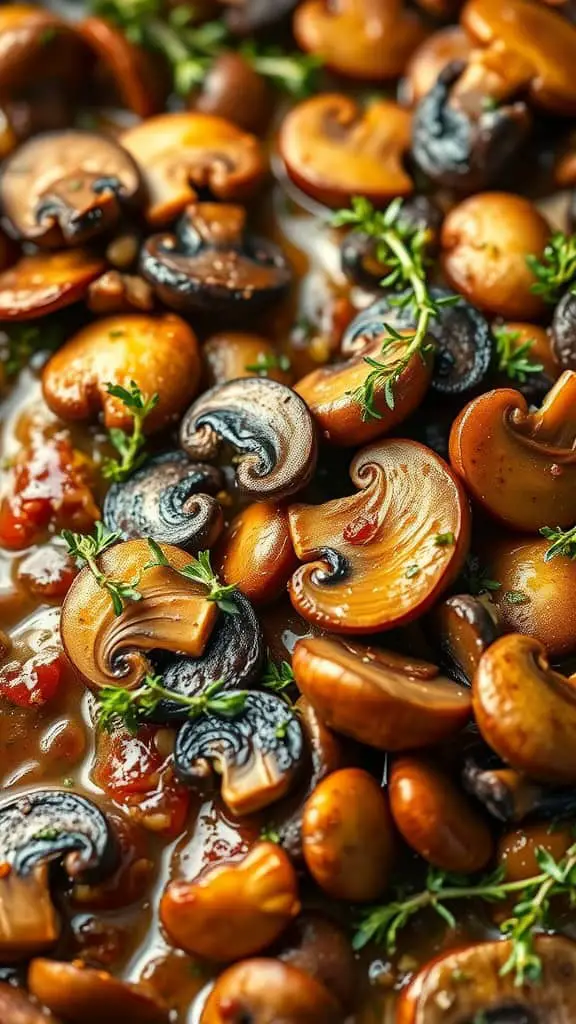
63, 188
256, 552
178, 154
464, 628
36, 44
131, 67
115, 292
29, 922
266, 423
212, 264
269, 991
44, 282
82, 995
17, 1008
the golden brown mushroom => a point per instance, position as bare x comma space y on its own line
432, 56
17, 1008
463, 627
267, 992
233, 354
256, 552
517, 849
36, 45
82, 995
45, 282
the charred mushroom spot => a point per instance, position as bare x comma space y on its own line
267, 423
258, 754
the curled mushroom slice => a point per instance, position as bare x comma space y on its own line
82, 995
63, 188
375, 558
333, 150
359, 38
256, 552
258, 753
233, 910
268, 991
45, 282
526, 711
213, 265
171, 500
471, 983
464, 628
267, 424
17, 1008
159, 353
520, 465
173, 614
378, 697
181, 153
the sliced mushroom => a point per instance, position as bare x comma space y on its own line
63, 188
463, 628
82, 995
526, 711
182, 153
267, 424
159, 353
258, 753
120, 293
563, 331
36, 45
359, 38
173, 614
233, 354
471, 984
269, 991
17, 1008
233, 910
509, 795
520, 465
444, 47
378, 697
130, 66
211, 263
171, 500
256, 552
45, 282
316, 945
374, 558
333, 149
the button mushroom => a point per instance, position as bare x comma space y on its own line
359, 38
130, 66
82, 995
316, 945
464, 628
233, 89
374, 558
159, 353
258, 753
45, 282
17, 1008
212, 264
269, 991
256, 552
233, 910
37, 45
378, 697
333, 149
170, 500
520, 465
233, 354
181, 153
267, 424
442, 48
526, 711
63, 188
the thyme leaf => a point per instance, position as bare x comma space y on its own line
556, 270
563, 542
513, 358
130, 708
85, 549
200, 570
129, 446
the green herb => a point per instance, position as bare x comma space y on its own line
294, 73
531, 914
131, 707
277, 677
444, 540
129, 446
489, 103
269, 835
556, 270
411, 571
85, 549
516, 597
265, 363
201, 571
68, 782
47, 833
400, 247
513, 358
19, 342
563, 542
477, 580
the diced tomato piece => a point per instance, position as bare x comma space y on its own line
48, 572
34, 683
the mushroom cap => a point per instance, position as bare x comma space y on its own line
83, 995
128, 64
268, 991
36, 42
256, 554
45, 282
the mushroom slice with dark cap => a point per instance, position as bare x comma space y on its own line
63, 188
258, 753
510, 796
463, 627
82, 995
171, 500
213, 264
267, 423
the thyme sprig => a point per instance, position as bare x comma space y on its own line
129, 446
556, 269
402, 248
131, 707
277, 677
85, 549
200, 570
383, 924
563, 542
513, 359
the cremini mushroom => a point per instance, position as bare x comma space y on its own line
470, 984
540, 350
212, 264
181, 153
233, 89
45, 282
258, 753
436, 818
83, 995
131, 67
233, 910
316, 945
374, 559
266, 423
63, 188
525, 710
159, 353
432, 56
37, 46
359, 38
348, 837
520, 465
517, 852
256, 552
233, 354
333, 149
269, 991
169, 499
463, 627
378, 697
